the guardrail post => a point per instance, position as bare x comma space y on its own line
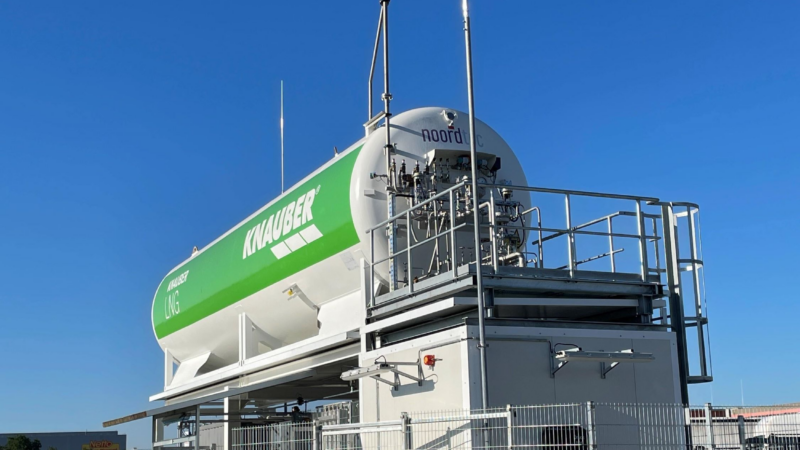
371, 268
710, 426
410, 271
742, 435
453, 247
642, 241
570, 238
611, 245
591, 429
510, 426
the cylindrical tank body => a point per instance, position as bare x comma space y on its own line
292, 266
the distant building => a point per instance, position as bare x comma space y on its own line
75, 440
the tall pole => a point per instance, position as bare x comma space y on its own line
473, 155
388, 148
282, 137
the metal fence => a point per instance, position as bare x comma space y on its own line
279, 436
579, 426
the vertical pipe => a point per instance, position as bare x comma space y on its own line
475, 212
387, 97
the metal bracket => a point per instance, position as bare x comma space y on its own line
294, 292
374, 371
560, 359
605, 368
556, 365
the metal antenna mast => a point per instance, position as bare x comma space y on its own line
372, 124
388, 148
473, 154
282, 137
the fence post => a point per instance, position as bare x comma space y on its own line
688, 427
316, 436
710, 426
404, 419
742, 435
510, 426
591, 428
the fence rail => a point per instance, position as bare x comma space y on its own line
578, 426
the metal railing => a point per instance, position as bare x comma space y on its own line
449, 210
572, 231
577, 426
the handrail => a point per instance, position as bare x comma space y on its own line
683, 204
587, 224
589, 233
570, 192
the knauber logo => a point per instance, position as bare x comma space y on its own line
283, 232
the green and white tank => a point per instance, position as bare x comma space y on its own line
292, 266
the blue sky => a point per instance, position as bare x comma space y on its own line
130, 132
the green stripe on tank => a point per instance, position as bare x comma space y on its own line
245, 261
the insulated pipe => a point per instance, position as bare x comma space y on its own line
475, 211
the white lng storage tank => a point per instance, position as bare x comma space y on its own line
291, 266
